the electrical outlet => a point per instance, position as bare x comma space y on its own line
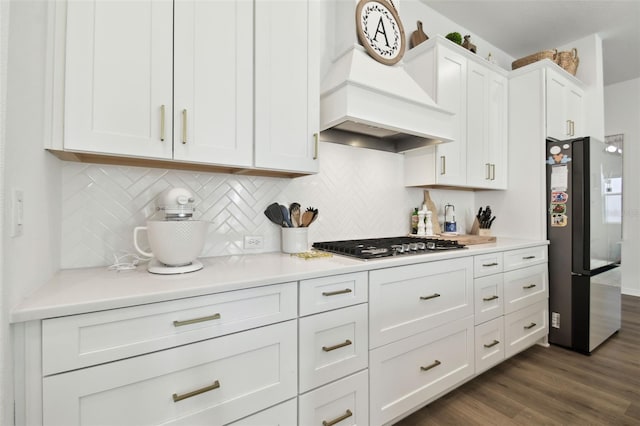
555, 320
253, 241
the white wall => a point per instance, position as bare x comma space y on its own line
5, 345
30, 259
622, 110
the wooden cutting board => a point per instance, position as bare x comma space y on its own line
468, 239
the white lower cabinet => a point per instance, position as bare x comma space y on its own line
332, 345
214, 381
415, 370
525, 327
342, 403
489, 338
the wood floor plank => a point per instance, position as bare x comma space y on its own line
551, 386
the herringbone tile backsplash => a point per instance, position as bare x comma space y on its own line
359, 194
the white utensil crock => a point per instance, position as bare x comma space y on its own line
295, 240
174, 243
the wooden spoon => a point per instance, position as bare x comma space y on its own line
307, 218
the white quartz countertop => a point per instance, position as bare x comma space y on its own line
75, 291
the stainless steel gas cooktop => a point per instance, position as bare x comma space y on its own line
375, 248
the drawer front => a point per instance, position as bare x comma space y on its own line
487, 264
525, 327
415, 370
82, 340
489, 344
333, 345
337, 291
410, 299
214, 382
341, 403
523, 287
285, 414
515, 259
489, 297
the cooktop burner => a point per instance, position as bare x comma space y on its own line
374, 248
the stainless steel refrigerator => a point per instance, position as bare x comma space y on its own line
584, 227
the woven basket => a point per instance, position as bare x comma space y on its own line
544, 54
569, 61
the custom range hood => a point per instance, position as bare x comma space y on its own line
364, 102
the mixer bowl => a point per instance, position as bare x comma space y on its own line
173, 243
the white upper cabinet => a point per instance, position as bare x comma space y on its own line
287, 76
478, 94
214, 82
118, 77
565, 106
486, 128
451, 88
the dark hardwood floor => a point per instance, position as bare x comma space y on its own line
551, 386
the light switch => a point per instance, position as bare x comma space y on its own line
17, 212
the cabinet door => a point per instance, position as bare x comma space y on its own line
214, 381
478, 156
486, 128
564, 107
451, 94
287, 85
498, 141
118, 77
213, 82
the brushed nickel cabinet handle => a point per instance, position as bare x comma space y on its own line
528, 257
335, 293
527, 327
337, 419
184, 126
573, 128
492, 344
162, 129
196, 320
177, 397
338, 346
568, 127
493, 172
443, 165
527, 287
433, 296
315, 146
486, 265
488, 299
429, 367
487, 167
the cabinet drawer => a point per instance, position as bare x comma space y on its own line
410, 299
489, 344
523, 287
487, 264
343, 403
415, 370
332, 345
215, 382
285, 414
525, 327
337, 291
489, 297
82, 340
515, 259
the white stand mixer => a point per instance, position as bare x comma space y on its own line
176, 240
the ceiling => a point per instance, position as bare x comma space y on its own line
521, 27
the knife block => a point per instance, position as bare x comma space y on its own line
476, 230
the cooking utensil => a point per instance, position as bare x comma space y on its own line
294, 213
307, 218
285, 216
274, 214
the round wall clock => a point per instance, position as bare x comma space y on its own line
380, 30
